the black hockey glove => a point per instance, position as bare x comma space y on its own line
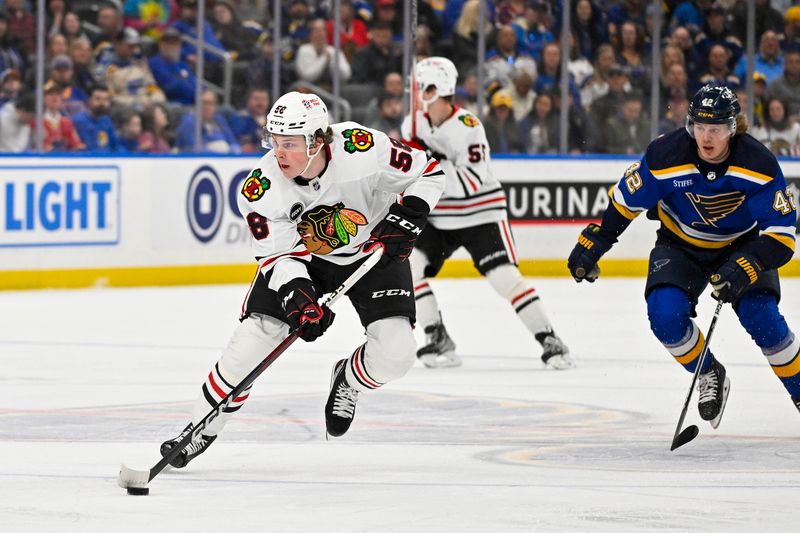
416, 142
592, 244
398, 231
734, 276
299, 301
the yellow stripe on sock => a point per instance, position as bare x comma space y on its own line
788, 370
692, 354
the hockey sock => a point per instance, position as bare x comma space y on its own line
507, 281
427, 306
669, 312
388, 354
214, 389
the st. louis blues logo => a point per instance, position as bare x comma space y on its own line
713, 208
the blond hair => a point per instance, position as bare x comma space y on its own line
741, 124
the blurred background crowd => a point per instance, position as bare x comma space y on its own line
120, 76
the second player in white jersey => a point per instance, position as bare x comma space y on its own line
471, 213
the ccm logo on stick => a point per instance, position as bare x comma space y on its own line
391, 292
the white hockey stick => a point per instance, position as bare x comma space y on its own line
136, 480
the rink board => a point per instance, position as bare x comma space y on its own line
127, 221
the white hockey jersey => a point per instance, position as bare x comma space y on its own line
472, 195
332, 215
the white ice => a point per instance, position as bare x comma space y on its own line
93, 378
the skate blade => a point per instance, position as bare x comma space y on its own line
559, 362
443, 360
132, 478
725, 390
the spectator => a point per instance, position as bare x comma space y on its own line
768, 60
62, 74
718, 72
588, 25
129, 78
390, 115
466, 96
532, 33
787, 87
216, 135
233, 35
248, 124
681, 39
628, 133
578, 66
11, 57
72, 28
675, 83
716, 32
622, 12
780, 134
130, 131
631, 54
54, 16
22, 25
176, 78
791, 29
187, 25
149, 17
315, 59
109, 24
675, 116
392, 84
608, 105
596, 85
354, 35
10, 85
501, 128
501, 59
376, 60
59, 131
260, 72
550, 72
56, 45
759, 97
15, 124
296, 24
465, 35
94, 126
80, 52
521, 93
690, 14
767, 19
506, 11
386, 14
155, 122
539, 129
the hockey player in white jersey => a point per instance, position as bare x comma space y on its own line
472, 213
318, 200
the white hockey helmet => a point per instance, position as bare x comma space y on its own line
296, 113
439, 72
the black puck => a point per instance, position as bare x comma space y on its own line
138, 491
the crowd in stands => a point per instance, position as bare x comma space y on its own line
120, 74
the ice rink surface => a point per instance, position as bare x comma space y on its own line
92, 378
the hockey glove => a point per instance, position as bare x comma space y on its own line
734, 276
299, 300
582, 262
419, 144
398, 231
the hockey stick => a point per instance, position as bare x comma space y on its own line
137, 480
687, 435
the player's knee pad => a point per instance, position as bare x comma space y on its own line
759, 315
418, 262
390, 352
669, 311
251, 342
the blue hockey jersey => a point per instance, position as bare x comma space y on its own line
706, 205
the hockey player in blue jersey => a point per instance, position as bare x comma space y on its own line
726, 218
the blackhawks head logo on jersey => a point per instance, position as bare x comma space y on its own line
468, 120
358, 140
255, 186
326, 228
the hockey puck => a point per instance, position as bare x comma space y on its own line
138, 491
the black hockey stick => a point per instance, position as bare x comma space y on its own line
137, 480
687, 435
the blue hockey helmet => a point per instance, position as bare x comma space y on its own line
713, 104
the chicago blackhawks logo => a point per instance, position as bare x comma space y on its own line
255, 186
326, 228
358, 140
468, 120
713, 208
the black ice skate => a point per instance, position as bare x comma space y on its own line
439, 352
192, 450
341, 406
713, 386
555, 353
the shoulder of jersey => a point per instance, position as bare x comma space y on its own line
753, 156
352, 138
263, 183
670, 150
466, 119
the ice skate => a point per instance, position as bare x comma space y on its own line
192, 450
555, 353
341, 407
439, 352
713, 386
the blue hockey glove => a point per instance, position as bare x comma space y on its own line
734, 276
298, 298
582, 262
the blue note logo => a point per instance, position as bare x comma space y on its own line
205, 201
